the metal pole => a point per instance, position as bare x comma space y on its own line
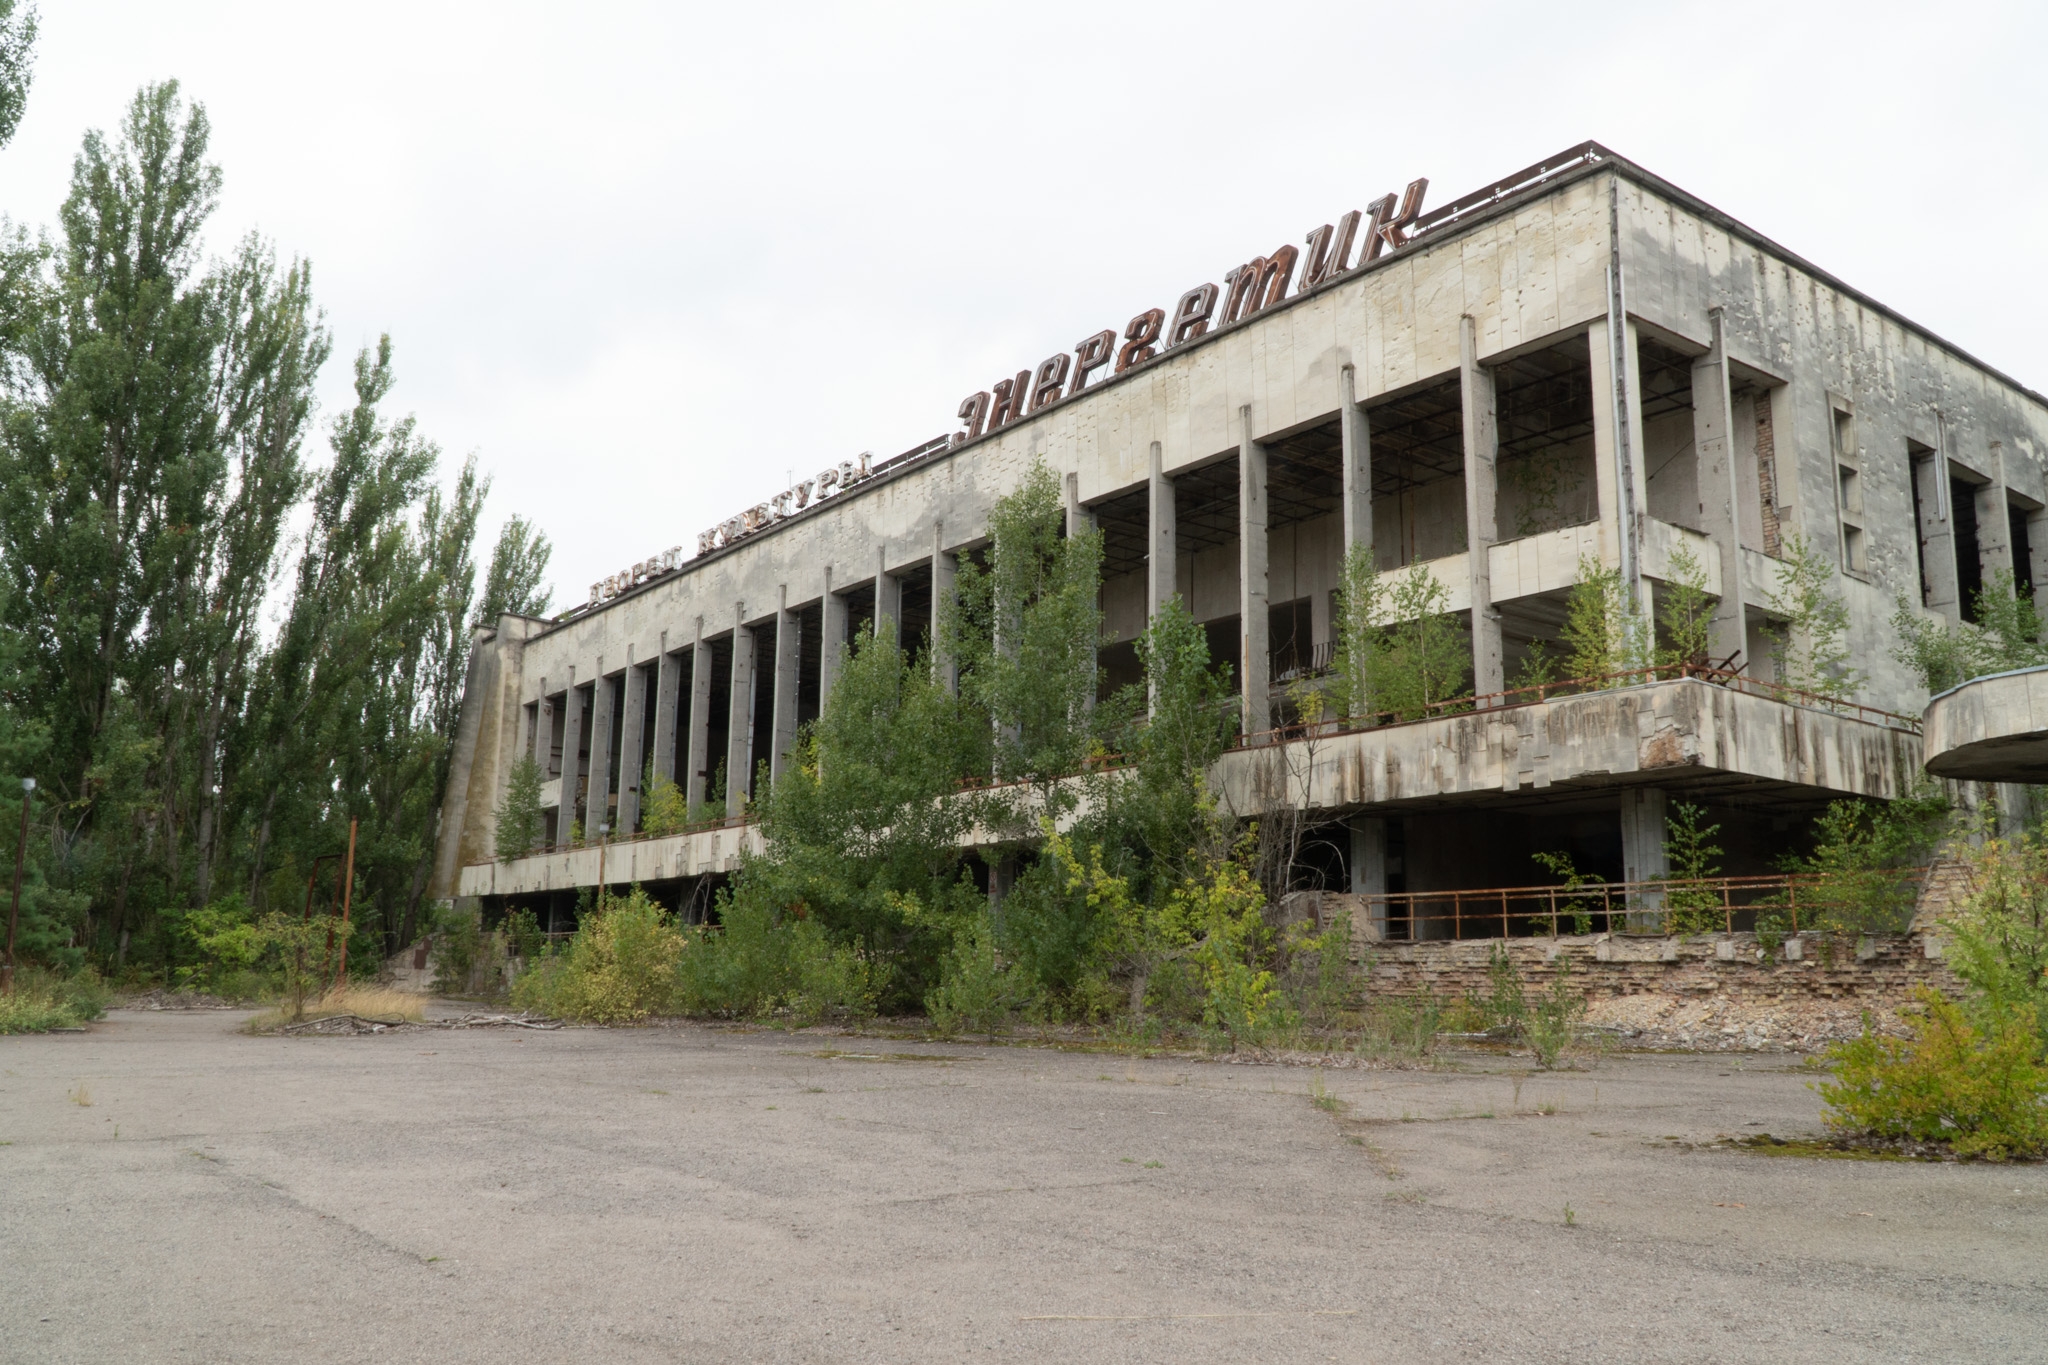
348, 886
603, 829
28, 786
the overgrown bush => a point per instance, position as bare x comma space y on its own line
758, 963
1547, 1022
1978, 1086
2005, 632
619, 968
1691, 909
1401, 1029
974, 992
1810, 625
1399, 651
468, 959
44, 1000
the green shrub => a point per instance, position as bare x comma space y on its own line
974, 992
1692, 909
758, 962
1552, 1021
1982, 1090
619, 968
1316, 972
524, 937
519, 819
44, 1000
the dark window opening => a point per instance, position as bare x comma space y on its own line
1289, 642
2022, 553
1962, 496
766, 646
1919, 532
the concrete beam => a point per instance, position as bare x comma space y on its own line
788, 640
1482, 450
1255, 621
739, 731
572, 744
632, 733
1713, 423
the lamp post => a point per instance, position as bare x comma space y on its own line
28, 786
603, 828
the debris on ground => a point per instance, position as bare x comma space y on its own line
345, 1024
162, 999
496, 1021
1655, 1021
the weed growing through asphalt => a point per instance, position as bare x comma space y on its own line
81, 1096
1571, 1218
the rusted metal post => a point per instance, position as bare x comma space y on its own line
603, 829
28, 786
1553, 913
1504, 914
348, 887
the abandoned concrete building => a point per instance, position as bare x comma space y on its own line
1579, 361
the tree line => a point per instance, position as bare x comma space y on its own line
221, 644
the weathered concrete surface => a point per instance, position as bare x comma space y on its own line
1667, 730
689, 1194
691, 854
1991, 729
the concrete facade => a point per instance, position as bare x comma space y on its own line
1592, 365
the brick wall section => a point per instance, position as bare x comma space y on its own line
1878, 970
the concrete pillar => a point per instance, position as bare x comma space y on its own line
1079, 518
739, 725
1482, 448
1369, 872
597, 804
1161, 552
1713, 424
788, 641
1356, 432
572, 742
543, 731
1642, 841
945, 573
888, 599
834, 641
632, 730
1254, 621
698, 771
667, 684
1994, 518
1617, 449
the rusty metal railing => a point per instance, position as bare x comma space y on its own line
1607, 907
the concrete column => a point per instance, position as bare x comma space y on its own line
668, 682
1356, 432
698, 771
945, 573
788, 641
1642, 841
1079, 518
1618, 451
888, 599
1369, 871
1994, 517
1255, 621
572, 742
1713, 425
739, 725
597, 804
1482, 487
632, 729
543, 731
834, 640
1161, 552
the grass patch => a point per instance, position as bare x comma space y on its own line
380, 1004
42, 1001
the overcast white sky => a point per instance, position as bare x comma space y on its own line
646, 258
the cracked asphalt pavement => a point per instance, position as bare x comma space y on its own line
699, 1194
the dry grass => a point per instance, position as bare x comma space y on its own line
383, 1004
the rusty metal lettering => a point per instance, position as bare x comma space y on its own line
1092, 354
1315, 268
1191, 315
1340, 249
1051, 378
1140, 338
803, 493
1387, 222
1259, 283
974, 412
1003, 409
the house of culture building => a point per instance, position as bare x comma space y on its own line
1578, 363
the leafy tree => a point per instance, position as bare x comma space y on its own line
1809, 646
1424, 655
516, 581
1603, 631
17, 61
2007, 633
1685, 617
519, 819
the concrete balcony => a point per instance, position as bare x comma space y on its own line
1991, 729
